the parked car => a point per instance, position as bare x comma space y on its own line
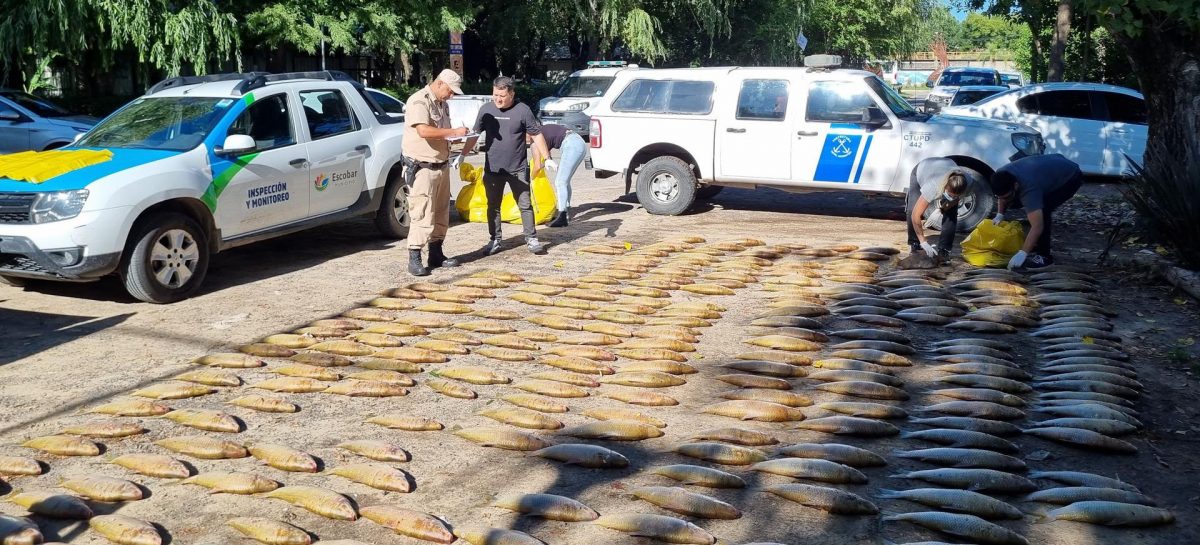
951, 79
391, 105
33, 123
1012, 80
682, 134
579, 92
970, 94
203, 164
1093, 124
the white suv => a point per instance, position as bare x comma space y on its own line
203, 164
581, 90
684, 133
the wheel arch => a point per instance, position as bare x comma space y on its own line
192, 208
661, 149
974, 164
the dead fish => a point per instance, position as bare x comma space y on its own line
873, 356
173, 390
871, 335
321, 501
19, 465
784, 342
781, 397
232, 482
721, 453
677, 333
661, 366
131, 407
125, 530
962, 439
837, 375
105, 429
264, 403
1096, 386
309, 371
1109, 513
472, 374
444, 347
642, 397
919, 316
1076, 478
852, 365
49, 504
786, 321
1095, 376
551, 388
980, 326
849, 425
211, 377
962, 501
405, 422
838, 502
270, 532
523, 418
755, 381
577, 364
1111, 428
567, 377
974, 341
505, 354
153, 465
388, 377
293, 385
982, 425
409, 523
737, 436
1072, 494
322, 359
865, 410
964, 458
834, 452
962, 525
555, 322
754, 410
63, 445
105, 489
1086, 397
687, 503
883, 346
605, 413
547, 506
768, 368
700, 476
604, 328
376, 450
375, 475
589, 352
859, 388
614, 430
662, 528
978, 480
502, 438
887, 321
977, 409
264, 350
988, 382
813, 469
1083, 438
495, 536
19, 531
643, 379
283, 457
535, 402
776, 357
590, 456
378, 340
990, 369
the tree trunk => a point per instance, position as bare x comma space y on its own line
1058, 45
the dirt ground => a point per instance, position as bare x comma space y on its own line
69, 347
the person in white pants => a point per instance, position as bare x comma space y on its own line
573, 149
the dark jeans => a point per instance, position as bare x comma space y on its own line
493, 184
949, 222
1050, 202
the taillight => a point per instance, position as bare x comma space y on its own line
595, 138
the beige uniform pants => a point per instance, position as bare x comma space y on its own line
429, 207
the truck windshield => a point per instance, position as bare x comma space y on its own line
959, 79
39, 106
584, 86
898, 104
168, 123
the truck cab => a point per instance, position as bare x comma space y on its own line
581, 90
681, 134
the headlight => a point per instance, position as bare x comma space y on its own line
578, 107
57, 205
1028, 143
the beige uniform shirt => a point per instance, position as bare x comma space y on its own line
423, 108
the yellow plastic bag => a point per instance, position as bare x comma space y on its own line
991, 245
472, 198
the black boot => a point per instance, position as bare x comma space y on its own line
415, 267
560, 220
437, 258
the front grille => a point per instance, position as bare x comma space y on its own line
14, 207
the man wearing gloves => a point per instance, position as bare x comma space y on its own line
1039, 184
940, 182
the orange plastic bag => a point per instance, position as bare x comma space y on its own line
991, 245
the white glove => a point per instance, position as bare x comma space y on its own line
929, 250
1017, 260
999, 218
551, 165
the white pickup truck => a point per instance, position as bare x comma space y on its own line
685, 133
199, 165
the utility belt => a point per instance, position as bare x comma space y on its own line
413, 166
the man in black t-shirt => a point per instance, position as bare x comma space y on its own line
1039, 184
505, 124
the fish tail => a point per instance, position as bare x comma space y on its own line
889, 494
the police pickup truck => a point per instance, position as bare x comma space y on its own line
196, 166
683, 134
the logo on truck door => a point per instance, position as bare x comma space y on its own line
841, 147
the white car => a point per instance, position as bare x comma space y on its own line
582, 89
203, 164
685, 133
1098, 126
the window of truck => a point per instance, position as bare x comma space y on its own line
585, 86
837, 102
327, 114
895, 102
665, 96
268, 122
166, 123
763, 99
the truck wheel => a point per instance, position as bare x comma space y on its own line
166, 258
14, 281
666, 186
977, 205
709, 191
392, 217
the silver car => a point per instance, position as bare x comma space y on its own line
29, 123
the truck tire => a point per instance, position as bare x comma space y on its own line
166, 258
392, 217
14, 281
978, 204
666, 186
709, 191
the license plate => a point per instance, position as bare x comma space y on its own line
550, 122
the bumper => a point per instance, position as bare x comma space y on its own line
19, 256
578, 122
934, 105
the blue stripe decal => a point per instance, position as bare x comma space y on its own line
837, 157
851, 126
862, 159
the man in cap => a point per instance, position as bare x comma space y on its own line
426, 155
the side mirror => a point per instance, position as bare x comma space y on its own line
236, 144
77, 138
874, 116
9, 115
929, 84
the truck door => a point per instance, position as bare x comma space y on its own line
338, 148
754, 140
833, 148
269, 186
